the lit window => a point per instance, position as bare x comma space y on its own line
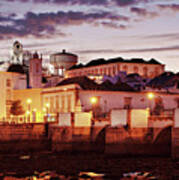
136, 69
145, 69
8, 83
125, 68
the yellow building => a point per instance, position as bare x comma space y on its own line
31, 100
8, 82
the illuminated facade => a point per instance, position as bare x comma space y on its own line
9, 81
147, 69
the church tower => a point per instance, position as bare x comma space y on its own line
35, 71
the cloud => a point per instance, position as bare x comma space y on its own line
143, 12
114, 25
46, 24
169, 48
169, 36
87, 2
103, 51
173, 7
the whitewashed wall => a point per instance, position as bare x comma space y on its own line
118, 117
176, 118
64, 119
115, 100
139, 118
82, 119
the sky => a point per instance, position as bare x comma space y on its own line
93, 28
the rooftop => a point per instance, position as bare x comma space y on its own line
102, 61
88, 84
165, 80
64, 53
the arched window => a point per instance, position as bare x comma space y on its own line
145, 72
136, 69
125, 68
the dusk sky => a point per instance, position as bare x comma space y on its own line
93, 28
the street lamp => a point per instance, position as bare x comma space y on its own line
150, 96
34, 115
93, 100
47, 109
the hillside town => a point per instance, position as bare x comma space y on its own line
68, 86
105, 102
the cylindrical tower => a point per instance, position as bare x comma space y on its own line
63, 61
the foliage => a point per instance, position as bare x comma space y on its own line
17, 108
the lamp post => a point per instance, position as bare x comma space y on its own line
150, 96
29, 101
34, 115
47, 105
94, 101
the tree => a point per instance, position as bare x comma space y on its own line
16, 108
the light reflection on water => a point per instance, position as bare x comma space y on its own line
48, 175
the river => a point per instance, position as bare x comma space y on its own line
71, 164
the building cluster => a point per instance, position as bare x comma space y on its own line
99, 86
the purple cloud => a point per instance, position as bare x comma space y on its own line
173, 7
45, 24
103, 51
143, 12
114, 25
87, 2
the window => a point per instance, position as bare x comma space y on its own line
114, 70
156, 71
51, 104
109, 71
125, 68
57, 103
101, 71
69, 103
118, 68
8, 83
136, 69
37, 67
63, 103
145, 72
8, 94
127, 102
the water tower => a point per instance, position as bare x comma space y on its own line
63, 61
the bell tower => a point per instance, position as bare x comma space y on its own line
35, 71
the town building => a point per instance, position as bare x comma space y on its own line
9, 81
111, 67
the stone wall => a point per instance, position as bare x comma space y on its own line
21, 132
23, 138
138, 141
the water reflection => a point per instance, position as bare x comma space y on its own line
50, 175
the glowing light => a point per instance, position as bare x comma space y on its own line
93, 100
44, 109
150, 95
47, 105
29, 101
27, 112
34, 110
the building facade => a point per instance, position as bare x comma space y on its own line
9, 81
145, 69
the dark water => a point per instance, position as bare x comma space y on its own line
71, 164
